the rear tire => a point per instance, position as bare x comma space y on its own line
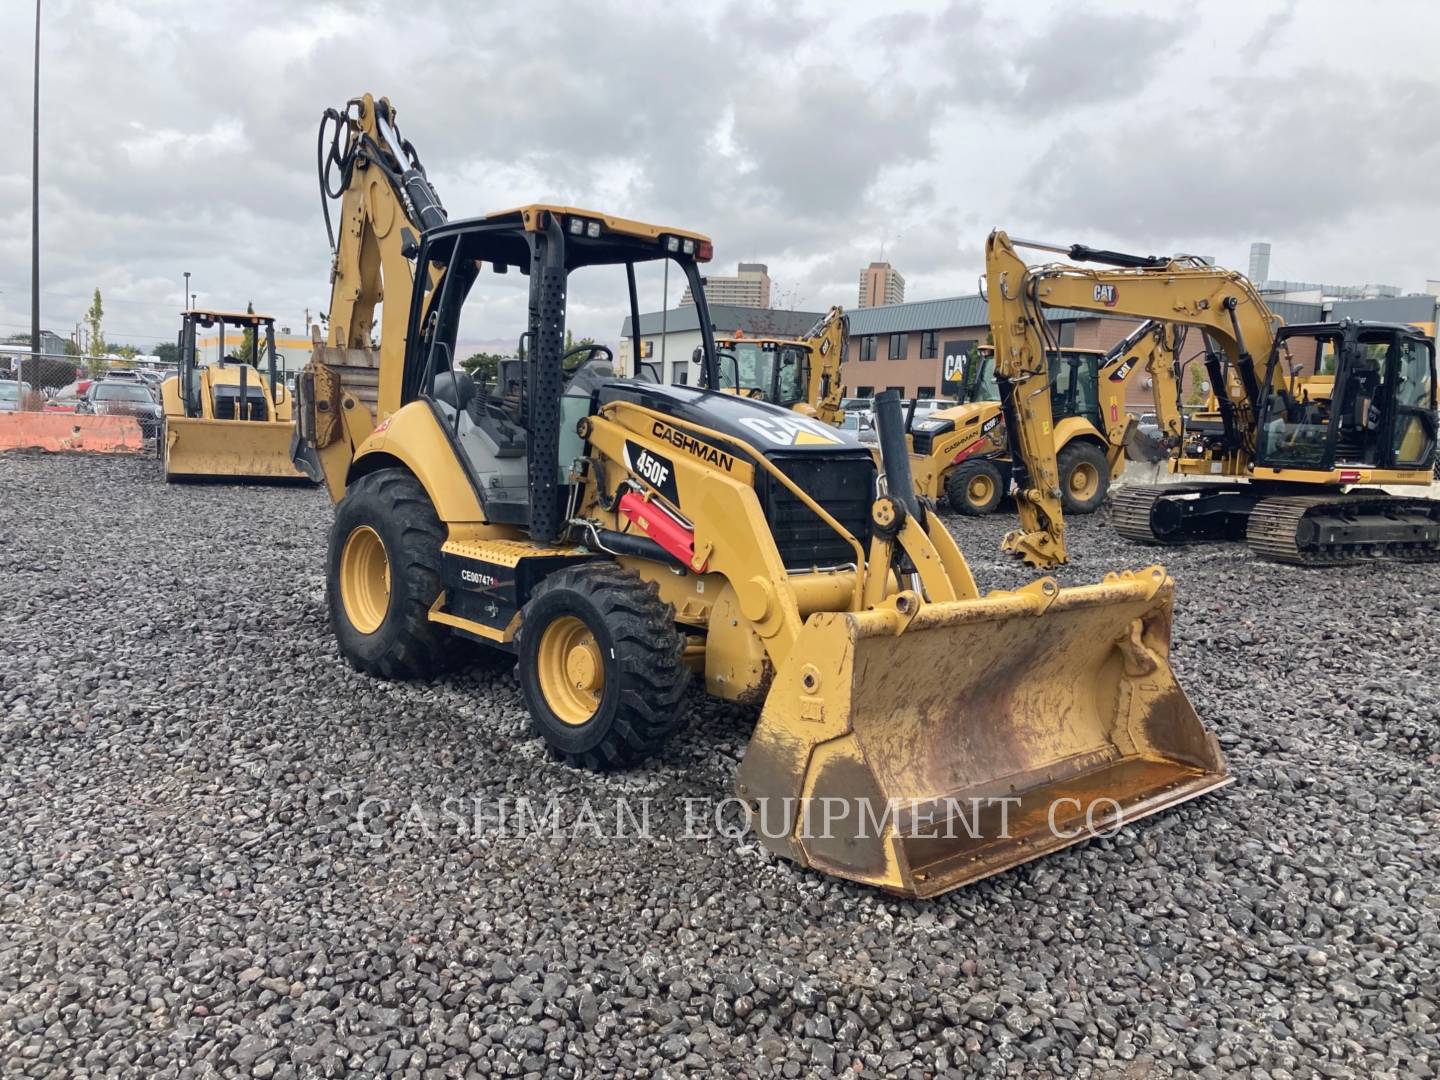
600, 666
383, 575
975, 487
1084, 477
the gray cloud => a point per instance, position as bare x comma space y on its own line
810, 138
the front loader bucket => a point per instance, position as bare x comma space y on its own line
921, 753
229, 449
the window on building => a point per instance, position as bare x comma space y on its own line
925, 392
898, 389
867, 347
899, 346
680, 372
929, 345
864, 391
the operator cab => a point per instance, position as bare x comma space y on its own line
1349, 394
770, 369
515, 421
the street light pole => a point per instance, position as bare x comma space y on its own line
185, 297
35, 206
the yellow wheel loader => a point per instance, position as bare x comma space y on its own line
623, 539
1302, 421
796, 373
228, 420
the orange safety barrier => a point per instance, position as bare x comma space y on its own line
59, 432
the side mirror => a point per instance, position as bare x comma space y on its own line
698, 356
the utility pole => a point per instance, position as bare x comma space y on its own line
185, 298
35, 208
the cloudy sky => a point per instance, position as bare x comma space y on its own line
805, 135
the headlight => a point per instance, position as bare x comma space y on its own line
577, 226
592, 229
688, 247
672, 243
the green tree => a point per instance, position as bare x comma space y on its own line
168, 352
1195, 395
243, 352
129, 352
482, 367
93, 319
571, 343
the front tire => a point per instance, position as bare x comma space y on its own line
1084, 477
600, 666
975, 487
383, 575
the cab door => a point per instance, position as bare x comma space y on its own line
1410, 379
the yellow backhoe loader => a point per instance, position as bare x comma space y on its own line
1301, 419
227, 419
619, 537
795, 373
960, 452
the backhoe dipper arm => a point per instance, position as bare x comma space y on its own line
1153, 348
829, 341
386, 202
1221, 303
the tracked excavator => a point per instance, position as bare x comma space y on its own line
620, 538
962, 454
1304, 422
801, 373
230, 419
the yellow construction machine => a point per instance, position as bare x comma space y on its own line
1302, 419
795, 373
961, 452
228, 419
620, 537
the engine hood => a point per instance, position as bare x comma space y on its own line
774, 431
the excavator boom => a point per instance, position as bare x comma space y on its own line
1271, 422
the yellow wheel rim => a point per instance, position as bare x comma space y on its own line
365, 579
980, 488
571, 670
1084, 480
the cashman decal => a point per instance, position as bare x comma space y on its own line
682, 440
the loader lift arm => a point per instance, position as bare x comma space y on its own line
1221, 303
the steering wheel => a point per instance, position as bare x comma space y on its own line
589, 350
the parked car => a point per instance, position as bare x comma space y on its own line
13, 395
124, 397
68, 398
925, 406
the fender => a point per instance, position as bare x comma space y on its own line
412, 436
1077, 427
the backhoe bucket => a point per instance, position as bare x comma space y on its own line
920, 752
240, 449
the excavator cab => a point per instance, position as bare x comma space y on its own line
1348, 394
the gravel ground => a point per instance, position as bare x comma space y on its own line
199, 875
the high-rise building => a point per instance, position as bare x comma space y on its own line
750, 287
880, 284
1259, 263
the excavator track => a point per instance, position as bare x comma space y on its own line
1181, 513
1339, 529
